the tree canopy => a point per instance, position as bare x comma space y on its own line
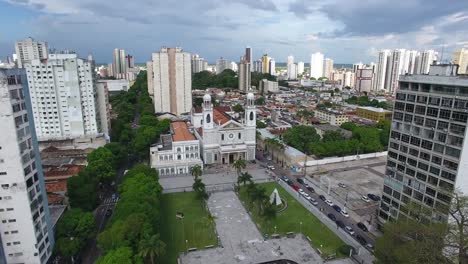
300, 137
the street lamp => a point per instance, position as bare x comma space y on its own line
300, 227
275, 229
186, 245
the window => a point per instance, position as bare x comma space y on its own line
251, 116
239, 136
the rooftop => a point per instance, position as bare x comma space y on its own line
180, 132
374, 109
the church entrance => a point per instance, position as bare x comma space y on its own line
231, 158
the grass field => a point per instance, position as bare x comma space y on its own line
289, 221
195, 227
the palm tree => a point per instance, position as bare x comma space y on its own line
259, 195
199, 188
239, 165
244, 177
274, 145
196, 171
151, 247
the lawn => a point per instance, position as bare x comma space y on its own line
197, 228
289, 221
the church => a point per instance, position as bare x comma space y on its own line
224, 138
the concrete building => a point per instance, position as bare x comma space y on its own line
120, 64
348, 79
115, 86
316, 65
177, 152
324, 128
358, 66
244, 75
266, 63
374, 113
130, 61
327, 68
248, 55
428, 149
103, 107
396, 68
221, 65
266, 86
426, 59
258, 66
26, 229
460, 57
300, 67
382, 69
198, 64
28, 50
223, 138
292, 71
63, 97
272, 67
290, 59
233, 66
170, 81
363, 80
335, 118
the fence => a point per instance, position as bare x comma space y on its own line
212, 188
343, 159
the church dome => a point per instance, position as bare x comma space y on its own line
250, 96
207, 97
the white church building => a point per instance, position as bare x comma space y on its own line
223, 138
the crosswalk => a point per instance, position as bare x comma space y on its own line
111, 200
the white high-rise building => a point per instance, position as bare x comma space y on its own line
426, 59
170, 81
358, 66
120, 64
300, 67
233, 66
382, 69
290, 59
410, 63
460, 57
198, 64
63, 97
272, 67
316, 65
327, 68
244, 75
258, 66
349, 79
398, 65
26, 228
221, 65
292, 71
29, 49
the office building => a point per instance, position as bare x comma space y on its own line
120, 64
327, 68
26, 228
266, 86
382, 69
460, 57
292, 71
333, 117
170, 81
316, 65
300, 67
363, 80
198, 64
221, 65
244, 75
177, 152
428, 150
28, 50
63, 97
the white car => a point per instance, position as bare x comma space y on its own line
365, 199
313, 201
306, 185
344, 213
301, 191
349, 230
329, 202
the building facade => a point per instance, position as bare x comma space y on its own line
177, 152
223, 138
28, 50
26, 230
373, 113
267, 86
382, 68
460, 57
198, 64
221, 65
103, 107
335, 118
300, 67
327, 68
292, 71
63, 97
428, 149
244, 75
316, 65
170, 81
363, 80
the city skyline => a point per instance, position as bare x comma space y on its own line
298, 29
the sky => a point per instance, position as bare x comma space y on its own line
348, 31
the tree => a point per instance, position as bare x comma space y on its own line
261, 124
199, 188
102, 171
244, 177
196, 171
300, 137
457, 228
151, 247
332, 136
260, 100
120, 255
197, 102
239, 165
82, 191
238, 108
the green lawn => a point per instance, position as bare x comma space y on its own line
289, 221
197, 229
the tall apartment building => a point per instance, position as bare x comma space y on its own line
120, 64
198, 64
358, 66
63, 97
460, 57
258, 66
26, 230
363, 80
316, 65
249, 57
221, 65
327, 68
428, 149
170, 81
300, 67
102, 91
382, 68
29, 49
290, 59
244, 75
426, 59
266, 63
272, 67
292, 71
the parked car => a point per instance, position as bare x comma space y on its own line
373, 197
340, 224
349, 230
322, 197
342, 185
270, 167
313, 201
310, 189
365, 199
284, 178
344, 213
337, 208
307, 196
290, 183
306, 185
330, 203
370, 247
362, 226
300, 180
295, 187
332, 217
361, 240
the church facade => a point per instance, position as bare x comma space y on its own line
224, 138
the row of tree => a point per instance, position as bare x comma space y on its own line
364, 101
226, 79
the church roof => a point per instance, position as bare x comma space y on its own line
181, 132
220, 117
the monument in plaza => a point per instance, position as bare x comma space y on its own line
275, 198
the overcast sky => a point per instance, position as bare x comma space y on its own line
347, 31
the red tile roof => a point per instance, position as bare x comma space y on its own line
53, 198
63, 171
58, 186
220, 117
181, 132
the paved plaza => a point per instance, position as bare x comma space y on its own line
242, 242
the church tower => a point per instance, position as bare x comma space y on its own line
250, 113
207, 112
